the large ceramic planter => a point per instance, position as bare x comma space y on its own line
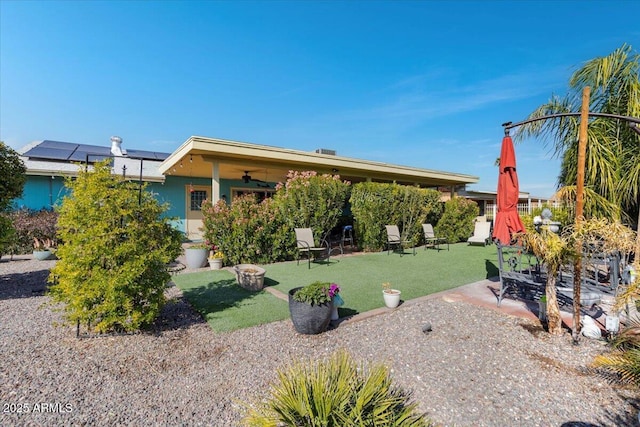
42, 255
249, 276
309, 319
215, 263
391, 297
196, 257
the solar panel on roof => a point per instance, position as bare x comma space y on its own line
147, 155
58, 144
47, 153
58, 150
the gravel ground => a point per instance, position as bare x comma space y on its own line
476, 368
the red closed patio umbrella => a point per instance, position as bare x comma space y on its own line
507, 220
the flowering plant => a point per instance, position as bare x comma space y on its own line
386, 287
333, 289
215, 252
317, 293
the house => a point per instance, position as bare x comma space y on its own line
208, 169
487, 202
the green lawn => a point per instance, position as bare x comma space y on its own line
227, 307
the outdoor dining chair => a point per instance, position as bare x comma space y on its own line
394, 240
430, 238
306, 245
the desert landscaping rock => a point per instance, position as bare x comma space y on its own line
476, 367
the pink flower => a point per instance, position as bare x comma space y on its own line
334, 289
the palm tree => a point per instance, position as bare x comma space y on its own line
552, 251
612, 167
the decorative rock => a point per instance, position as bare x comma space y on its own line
426, 328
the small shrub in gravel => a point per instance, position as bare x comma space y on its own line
335, 392
116, 247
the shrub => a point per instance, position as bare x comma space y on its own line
335, 392
309, 200
247, 231
12, 176
456, 224
114, 254
375, 205
7, 233
30, 225
623, 363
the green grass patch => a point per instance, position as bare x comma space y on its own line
226, 306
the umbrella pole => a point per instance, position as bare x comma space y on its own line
577, 265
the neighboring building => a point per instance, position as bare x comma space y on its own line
487, 201
207, 168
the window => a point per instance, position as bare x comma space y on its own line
197, 197
260, 194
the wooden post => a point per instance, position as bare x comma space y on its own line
577, 266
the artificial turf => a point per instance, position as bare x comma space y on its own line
226, 306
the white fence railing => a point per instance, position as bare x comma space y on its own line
523, 208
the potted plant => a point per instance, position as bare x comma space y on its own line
249, 276
43, 249
311, 306
215, 258
196, 255
391, 296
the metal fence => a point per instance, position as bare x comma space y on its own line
523, 208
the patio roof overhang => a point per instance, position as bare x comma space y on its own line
196, 155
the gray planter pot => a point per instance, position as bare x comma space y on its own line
249, 276
196, 258
42, 255
309, 319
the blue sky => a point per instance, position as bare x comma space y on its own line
425, 84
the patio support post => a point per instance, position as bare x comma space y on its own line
215, 181
577, 265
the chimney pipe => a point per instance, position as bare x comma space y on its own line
116, 149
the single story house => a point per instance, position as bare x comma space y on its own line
209, 168
487, 202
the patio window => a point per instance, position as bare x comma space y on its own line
197, 197
260, 194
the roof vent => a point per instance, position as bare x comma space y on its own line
116, 148
326, 151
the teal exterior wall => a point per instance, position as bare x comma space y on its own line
172, 192
45, 192
41, 192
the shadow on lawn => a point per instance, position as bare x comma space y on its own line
219, 295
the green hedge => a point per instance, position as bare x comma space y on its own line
456, 224
375, 205
248, 231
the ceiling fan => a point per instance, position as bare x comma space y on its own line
246, 178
